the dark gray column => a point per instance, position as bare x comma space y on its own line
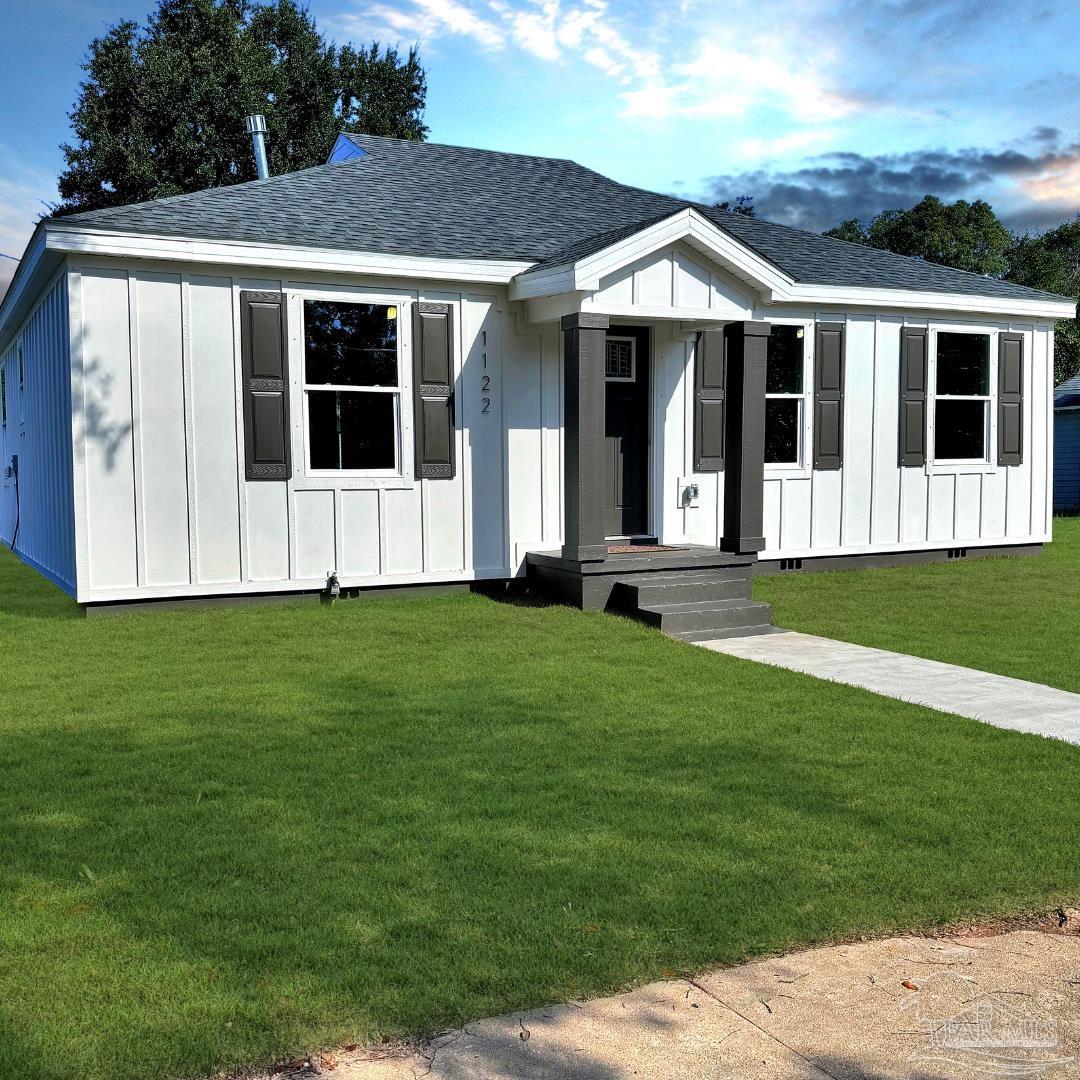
583, 457
744, 468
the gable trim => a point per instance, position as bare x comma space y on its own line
85, 241
772, 285
584, 274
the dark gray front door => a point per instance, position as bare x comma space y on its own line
626, 445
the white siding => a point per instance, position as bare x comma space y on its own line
674, 280
164, 507
160, 430
106, 433
170, 512
871, 504
215, 494
38, 430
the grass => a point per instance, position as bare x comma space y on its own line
229, 835
1013, 616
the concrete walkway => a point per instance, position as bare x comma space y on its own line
900, 1009
994, 699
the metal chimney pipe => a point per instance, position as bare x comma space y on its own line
256, 128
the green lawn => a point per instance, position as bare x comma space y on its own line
1014, 616
229, 835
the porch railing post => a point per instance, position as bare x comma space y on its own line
746, 345
583, 457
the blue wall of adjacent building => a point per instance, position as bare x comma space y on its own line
1067, 460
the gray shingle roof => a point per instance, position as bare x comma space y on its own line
425, 199
1067, 395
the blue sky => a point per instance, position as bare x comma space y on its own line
821, 110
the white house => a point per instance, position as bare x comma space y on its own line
425, 364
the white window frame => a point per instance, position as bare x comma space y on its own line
633, 359
963, 465
401, 476
801, 467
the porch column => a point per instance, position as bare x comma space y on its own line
744, 468
583, 418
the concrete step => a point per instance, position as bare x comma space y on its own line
705, 618
648, 590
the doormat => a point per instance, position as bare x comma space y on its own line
629, 549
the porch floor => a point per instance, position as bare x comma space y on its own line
691, 592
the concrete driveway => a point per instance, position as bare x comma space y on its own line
908, 1008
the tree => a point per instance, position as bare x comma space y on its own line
161, 110
743, 206
964, 235
851, 230
1051, 261
969, 236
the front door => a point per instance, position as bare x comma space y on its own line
626, 373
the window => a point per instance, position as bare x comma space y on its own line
352, 386
619, 360
3, 395
961, 397
784, 395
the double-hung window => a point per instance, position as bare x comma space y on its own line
352, 387
785, 395
961, 397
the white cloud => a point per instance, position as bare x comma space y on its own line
24, 193
677, 60
424, 20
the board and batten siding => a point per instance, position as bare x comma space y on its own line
164, 507
870, 504
39, 431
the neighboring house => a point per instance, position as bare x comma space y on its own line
421, 364
1067, 445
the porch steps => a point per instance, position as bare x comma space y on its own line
695, 605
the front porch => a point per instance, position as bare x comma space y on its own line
691, 591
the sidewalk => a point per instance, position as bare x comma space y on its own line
907, 1008
980, 695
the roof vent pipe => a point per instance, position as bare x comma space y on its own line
256, 128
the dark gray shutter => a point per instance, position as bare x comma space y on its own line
829, 396
1010, 418
266, 385
914, 343
710, 405
433, 391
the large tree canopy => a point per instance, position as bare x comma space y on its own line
969, 236
965, 235
162, 109
1051, 261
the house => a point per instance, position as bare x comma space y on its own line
1067, 445
424, 364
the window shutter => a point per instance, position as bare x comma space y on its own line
266, 385
433, 391
914, 343
1010, 418
829, 396
710, 401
